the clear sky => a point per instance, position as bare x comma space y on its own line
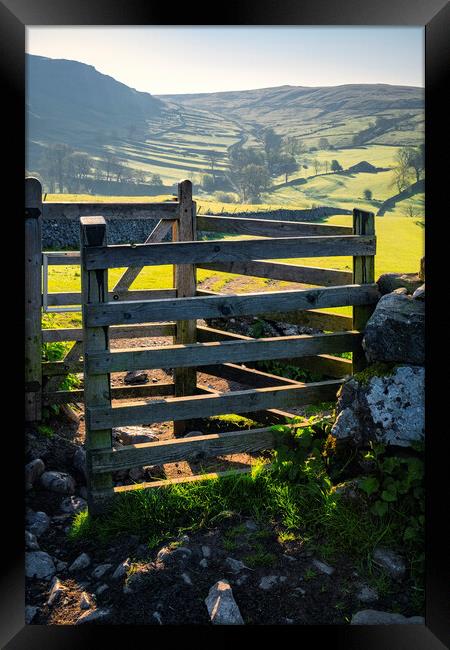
163, 60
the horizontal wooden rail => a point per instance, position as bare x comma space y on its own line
197, 252
120, 313
139, 294
267, 228
191, 355
115, 332
167, 483
172, 451
322, 364
69, 210
63, 258
56, 368
186, 408
117, 392
282, 271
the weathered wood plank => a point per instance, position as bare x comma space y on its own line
363, 273
267, 228
191, 355
184, 408
172, 451
74, 298
185, 281
117, 392
94, 287
158, 233
115, 332
144, 210
223, 250
33, 302
282, 271
63, 258
228, 305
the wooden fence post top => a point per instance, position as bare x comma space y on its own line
93, 230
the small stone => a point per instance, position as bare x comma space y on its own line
419, 294
56, 592
100, 571
121, 570
204, 563
289, 621
94, 616
60, 566
184, 539
401, 291
73, 504
323, 567
167, 554
289, 558
186, 578
31, 543
33, 471
235, 565
136, 474
222, 608
39, 565
81, 562
391, 561
79, 461
136, 377
85, 601
30, 613
243, 578
367, 595
58, 482
251, 525
37, 522
374, 617
300, 590
157, 616
101, 590
268, 582
193, 434
206, 550
134, 435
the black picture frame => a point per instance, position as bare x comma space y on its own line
434, 15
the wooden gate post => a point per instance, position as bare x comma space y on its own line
185, 282
363, 273
97, 388
33, 300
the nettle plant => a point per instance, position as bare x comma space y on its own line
396, 479
299, 450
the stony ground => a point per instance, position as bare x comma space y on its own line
236, 571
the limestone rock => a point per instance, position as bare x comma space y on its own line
101, 590
366, 594
31, 543
388, 282
323, 567
58, 482
389, 409
94, 616
136, 377
85, 601
392, 562
33, 471
56, 592
395, 333
30, 613
222, 608
100, 571
39, 565
268, 582
37, 522
419, 294
235, 565
121, 570
134, 435
81, 562
167, 554
71, 505
375, 617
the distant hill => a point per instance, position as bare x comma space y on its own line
336, 112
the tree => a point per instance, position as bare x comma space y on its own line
155, 180
213, 157
78, 171
293, 146
55, 165
208, 183
367, 194
286, 165
252, 181
323, 143
336, 166
326, 164
272, 142
317, 165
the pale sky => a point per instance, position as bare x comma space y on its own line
163, 59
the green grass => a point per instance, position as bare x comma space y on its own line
307, 510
